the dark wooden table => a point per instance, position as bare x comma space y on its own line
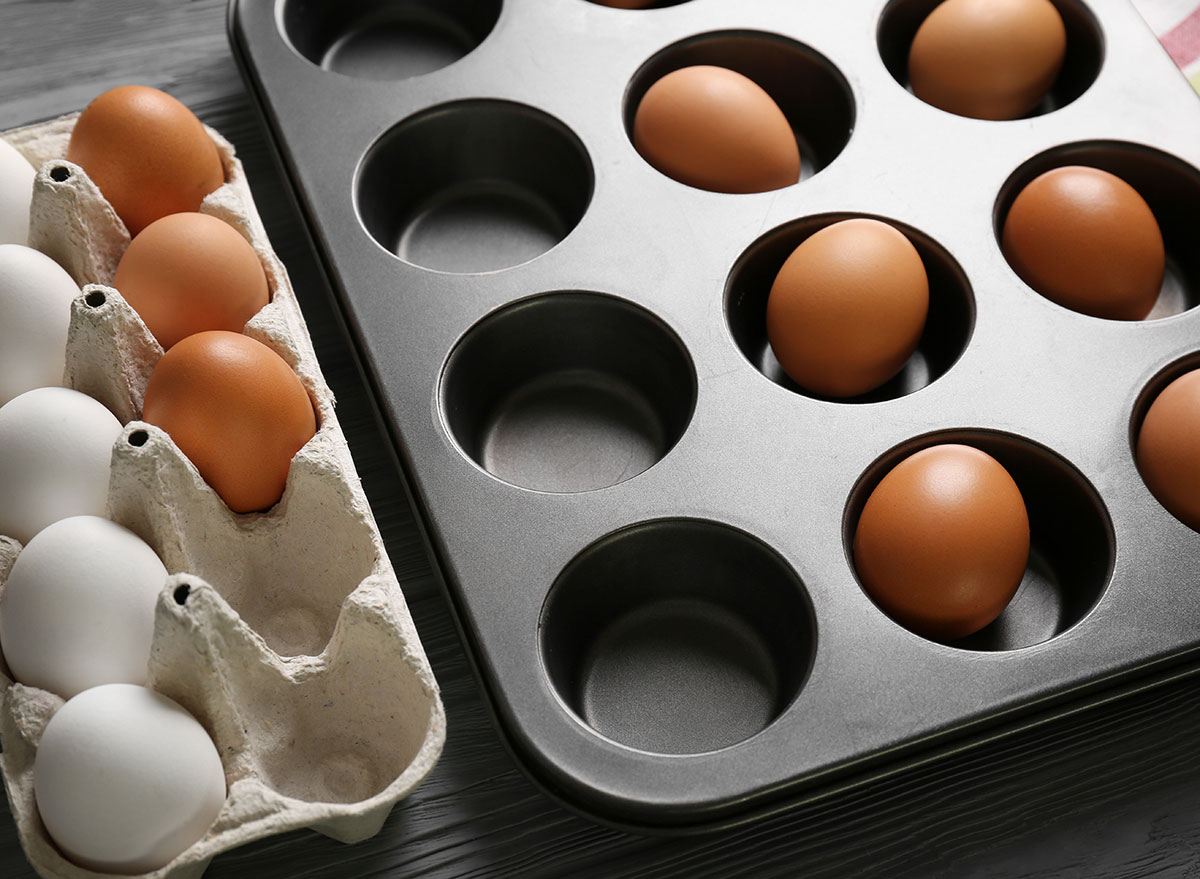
1113, 793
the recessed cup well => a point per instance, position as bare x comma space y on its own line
947, 328
1170, 187
677, 636
659, 4
1072, 545
809, 89
474, 186
568, 392
387, 39
901, 19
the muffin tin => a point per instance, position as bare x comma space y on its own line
284, 633
644, 526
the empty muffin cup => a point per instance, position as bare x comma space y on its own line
1072, 546
474, 186
948, 324
568, 392
678, 636
374, 39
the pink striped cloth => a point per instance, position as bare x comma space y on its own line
1177, 23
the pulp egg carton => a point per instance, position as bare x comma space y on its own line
285, 633
645, 527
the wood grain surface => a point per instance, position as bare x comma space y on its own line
1114, 792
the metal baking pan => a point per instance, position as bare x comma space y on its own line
643, 525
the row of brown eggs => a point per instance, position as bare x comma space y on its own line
230, 403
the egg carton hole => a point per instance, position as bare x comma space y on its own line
181, 593
60, 174
95, 299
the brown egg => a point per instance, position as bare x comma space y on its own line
147, 152
848, 308
1168, 450
988, 59
715, 129
187, 273
943, 541
1085, 239
236, 409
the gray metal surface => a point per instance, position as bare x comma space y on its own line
755, 455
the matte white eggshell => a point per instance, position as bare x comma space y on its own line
55, 449
16, 192
125, 779
35, 313
78, 607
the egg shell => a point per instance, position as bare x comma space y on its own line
147, 152
1086, 239
305, 614
78, 607
1168, 451
16, 192
35, 312
191, 272
55, 448
236, 409
848, 307
943, 541
715, 129
987, 59
126, 779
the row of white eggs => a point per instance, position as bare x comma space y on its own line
125, 779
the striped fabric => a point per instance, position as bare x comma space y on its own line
1177, 23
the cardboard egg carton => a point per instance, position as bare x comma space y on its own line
285, 632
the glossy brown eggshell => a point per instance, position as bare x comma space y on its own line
238, 412
943, 541
147, 152
715, 129
1168, 448
848, 307
987, 59
1086, 239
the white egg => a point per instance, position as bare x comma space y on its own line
16, 191
55, 449
35, 312
78, 608
125, 779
